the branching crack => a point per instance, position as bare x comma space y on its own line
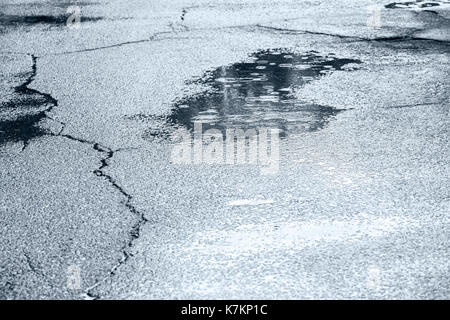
438, 103
108, 152
23, 128
136, 228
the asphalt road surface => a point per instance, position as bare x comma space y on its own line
94, 206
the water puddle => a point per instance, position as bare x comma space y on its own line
417, 5
259, 92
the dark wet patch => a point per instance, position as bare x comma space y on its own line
412, 4
49, 4
28, 20
20, 116
23, 128
25, 102
258, 93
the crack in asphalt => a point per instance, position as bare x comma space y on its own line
109, 153
295, 31
120, 44
408, 37
23, 89
446, 42
31, 265
153, 37
437, 103
136, 228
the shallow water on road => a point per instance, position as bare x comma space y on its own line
418, 4
259, 92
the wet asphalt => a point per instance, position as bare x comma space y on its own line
358, 208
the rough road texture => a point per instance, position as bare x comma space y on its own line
358, 209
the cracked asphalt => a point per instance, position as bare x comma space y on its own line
360, 206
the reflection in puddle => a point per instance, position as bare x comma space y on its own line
258, 92
419, 4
